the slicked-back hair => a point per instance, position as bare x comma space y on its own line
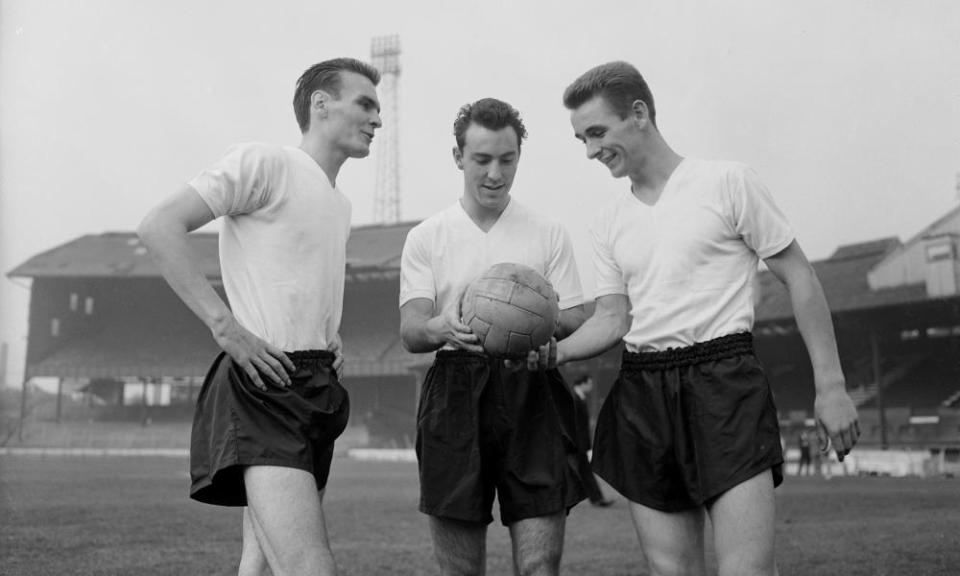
618, 83
490, 113
326, 76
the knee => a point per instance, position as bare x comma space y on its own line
539, 563
295, 565
305, 563
460, 566
251, 567
459, 560
747, 567
666, 565
460, 571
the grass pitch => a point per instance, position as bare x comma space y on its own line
131, 515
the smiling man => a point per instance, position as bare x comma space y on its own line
689, 427
483, 429
272, 405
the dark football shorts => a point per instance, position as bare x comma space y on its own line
483, 429
682, 426
237, 424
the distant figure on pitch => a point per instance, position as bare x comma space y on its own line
689, 427
272, 405
483, 429
582, 388
803, 442
819, 461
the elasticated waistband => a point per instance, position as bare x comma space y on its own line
711, 350
463, 355
311, 358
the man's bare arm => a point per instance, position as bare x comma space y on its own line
570, 320
165, 231
422, 330
835, 411
600, 332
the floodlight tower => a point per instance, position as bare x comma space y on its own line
385, 56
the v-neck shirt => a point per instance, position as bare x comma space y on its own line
446, 251
688, 262
282, 242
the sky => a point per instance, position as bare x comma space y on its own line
849, 111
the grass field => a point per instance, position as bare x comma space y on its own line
131, 515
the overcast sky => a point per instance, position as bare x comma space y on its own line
850, 111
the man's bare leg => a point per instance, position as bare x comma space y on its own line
671, 541
538, 545
743, 527
286, 514
252, 560
460, 547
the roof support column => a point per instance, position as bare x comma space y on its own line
23, 409
878, 379
59, 397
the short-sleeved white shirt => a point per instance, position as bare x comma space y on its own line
445, 252
688, 262
282, 243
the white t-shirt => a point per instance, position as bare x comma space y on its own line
688, 262
282, 243
445, 252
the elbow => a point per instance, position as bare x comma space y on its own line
407, 340
154, 224
577, 318
416, 345
570, 320
157, 225
617, 321
620, 325
415, 348
147, 228
416, 334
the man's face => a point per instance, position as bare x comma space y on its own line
609, 138
489, 161
353, 118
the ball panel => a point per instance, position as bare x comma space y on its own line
480, 328
497, 342
542, 335
527, 298
519, 344
506, 315
495, 288
521, 275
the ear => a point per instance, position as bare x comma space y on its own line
641, 114
458, 157
318, 102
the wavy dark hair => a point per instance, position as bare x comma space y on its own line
490, 113
326, 76
619, 83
